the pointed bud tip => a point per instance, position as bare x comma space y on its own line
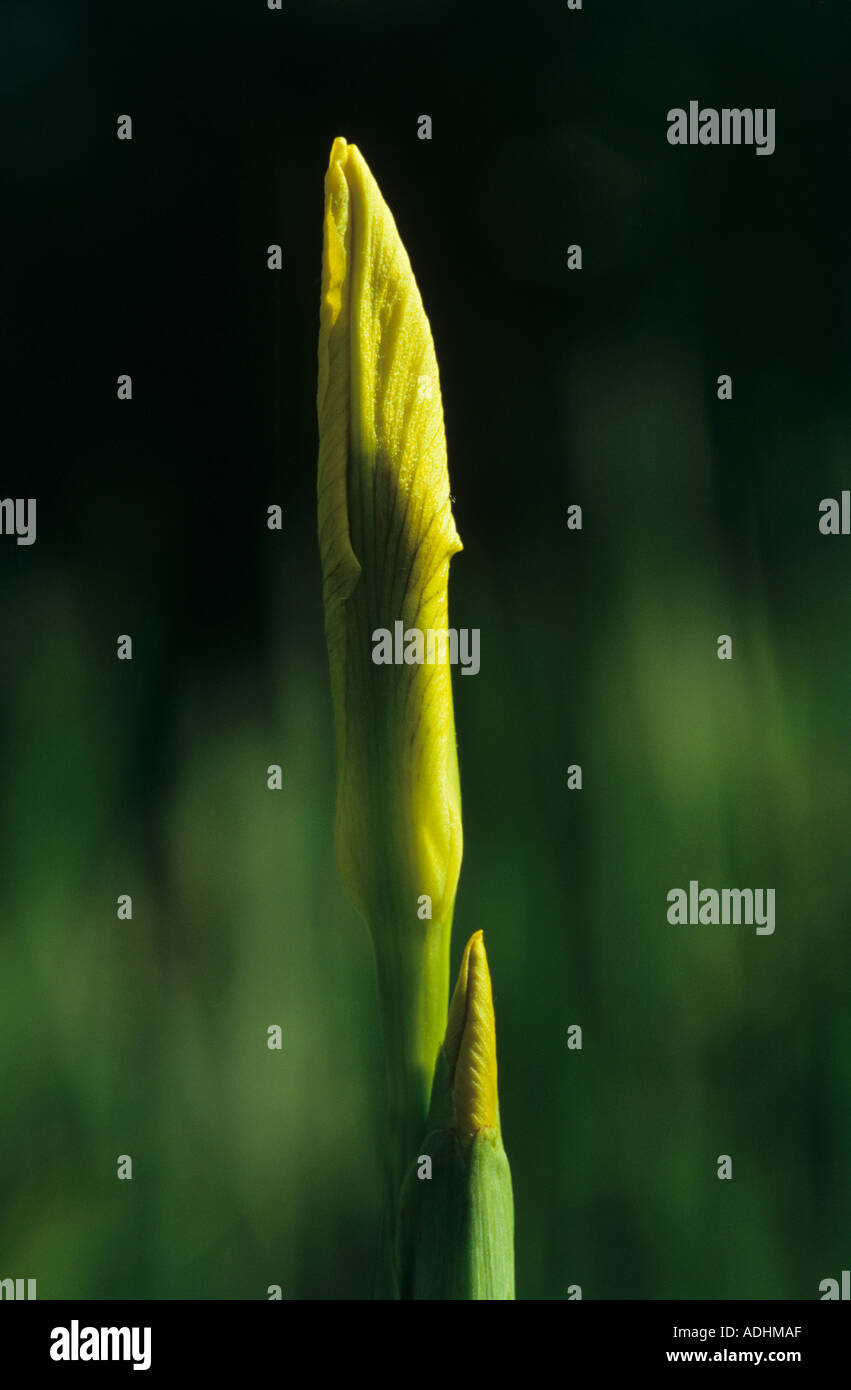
470, 1044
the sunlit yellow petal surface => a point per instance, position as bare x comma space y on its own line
386, 536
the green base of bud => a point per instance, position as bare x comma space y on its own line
455, 1235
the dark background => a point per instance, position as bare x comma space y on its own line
148, 777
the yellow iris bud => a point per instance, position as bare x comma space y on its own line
386, 535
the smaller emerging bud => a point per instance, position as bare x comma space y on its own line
456, 1227
470, 1046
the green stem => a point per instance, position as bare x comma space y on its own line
413, 990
